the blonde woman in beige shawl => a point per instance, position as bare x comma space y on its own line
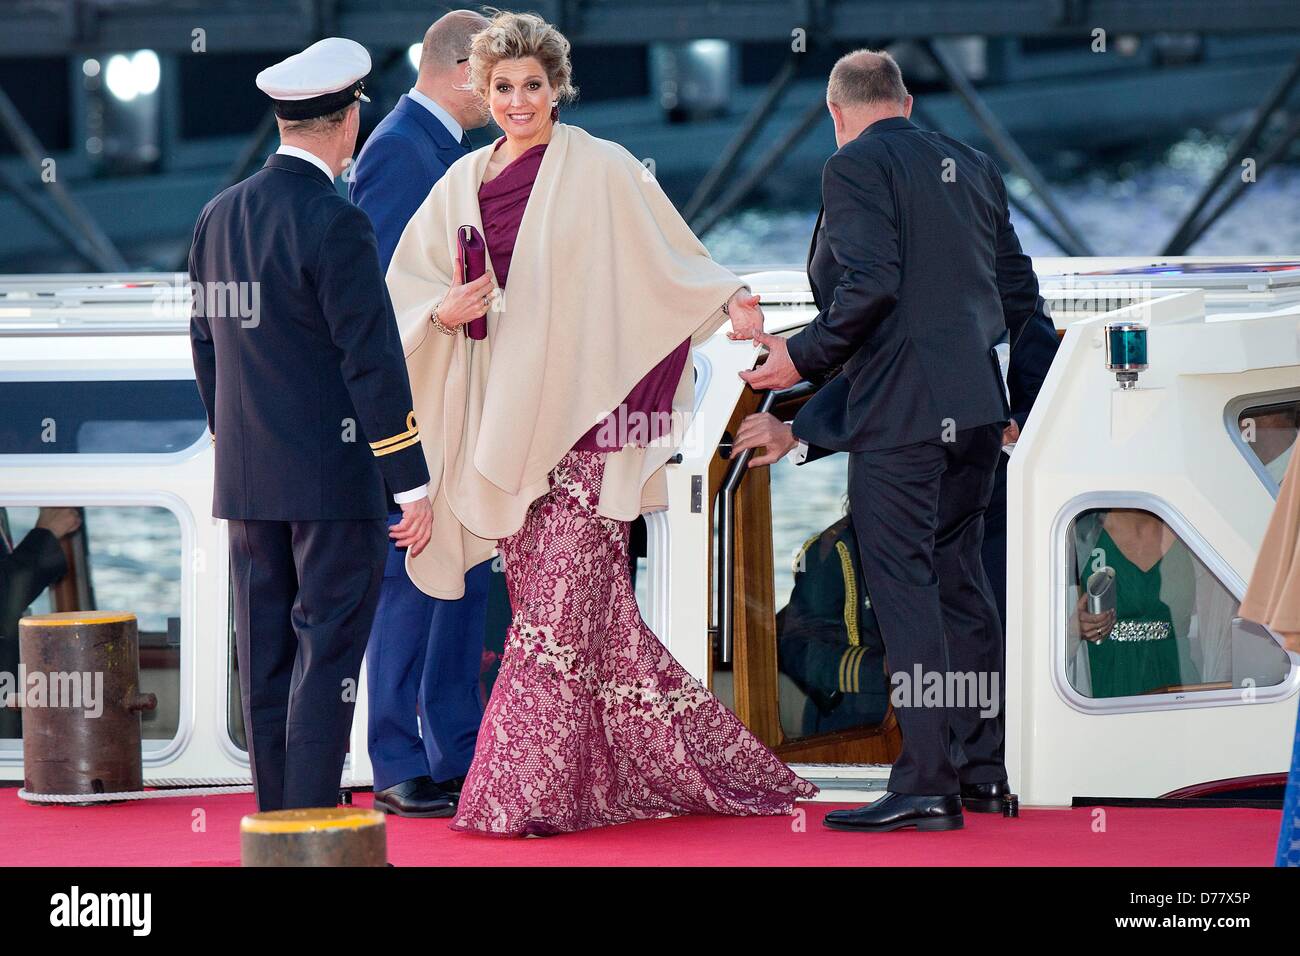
548, 436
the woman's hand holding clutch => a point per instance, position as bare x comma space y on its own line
1093, 628
464, 301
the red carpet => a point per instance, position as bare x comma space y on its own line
205, 832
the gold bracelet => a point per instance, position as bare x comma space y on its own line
439, 326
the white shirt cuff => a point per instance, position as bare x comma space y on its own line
415, 494
799, 453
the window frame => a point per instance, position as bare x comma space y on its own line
1231, 414
1062, 579
155, 753
108, 458
703, 375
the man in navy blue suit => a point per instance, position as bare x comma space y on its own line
424, 655
300, 367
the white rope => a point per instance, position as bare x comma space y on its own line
188, 787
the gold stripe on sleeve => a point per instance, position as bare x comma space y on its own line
381, 452
845, 678
850, 593
411, 431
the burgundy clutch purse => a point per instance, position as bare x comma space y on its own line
473, 263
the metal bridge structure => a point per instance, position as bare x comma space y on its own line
61, 198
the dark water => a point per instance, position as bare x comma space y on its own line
1123, 206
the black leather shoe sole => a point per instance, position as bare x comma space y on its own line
416, 814
953, 822
982, 804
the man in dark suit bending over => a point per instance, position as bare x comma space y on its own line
917, 273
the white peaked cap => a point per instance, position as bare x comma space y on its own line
323, 78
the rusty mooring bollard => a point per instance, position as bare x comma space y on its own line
318, 836
81, 701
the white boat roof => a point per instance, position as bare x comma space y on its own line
75, 324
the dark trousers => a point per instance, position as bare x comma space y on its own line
995, 540
919, 514
422, 670
305, 596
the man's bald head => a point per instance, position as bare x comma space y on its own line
448, 41
866, 78
865, 87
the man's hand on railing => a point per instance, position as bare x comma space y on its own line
762, 430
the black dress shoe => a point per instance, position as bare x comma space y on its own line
452, 786
895, 811
417, 797
984, 797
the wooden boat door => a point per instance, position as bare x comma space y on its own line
794, 647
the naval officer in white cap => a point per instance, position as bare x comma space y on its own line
310, 410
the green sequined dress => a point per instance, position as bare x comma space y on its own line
1147, 648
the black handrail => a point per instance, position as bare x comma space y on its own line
725, 605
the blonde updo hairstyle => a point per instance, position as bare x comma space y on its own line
517, 36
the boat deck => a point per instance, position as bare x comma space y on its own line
204, 831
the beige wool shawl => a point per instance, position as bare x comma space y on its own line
1273, 597
606, 279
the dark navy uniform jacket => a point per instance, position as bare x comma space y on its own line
307, 397
828, 640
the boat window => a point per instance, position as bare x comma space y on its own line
829, 652
1268, 435
1147, 617
100, 417
98, 558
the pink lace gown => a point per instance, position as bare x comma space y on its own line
591, 721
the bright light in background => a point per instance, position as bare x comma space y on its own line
90, 67
413, 54
710, 49
148, 71
131, 76
121, 78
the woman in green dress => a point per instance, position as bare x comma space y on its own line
1142, 645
